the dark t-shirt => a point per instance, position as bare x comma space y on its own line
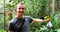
20, 25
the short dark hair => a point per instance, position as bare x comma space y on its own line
21, 3
18, 4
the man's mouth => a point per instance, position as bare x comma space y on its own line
20, 12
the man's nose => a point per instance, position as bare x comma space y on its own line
21, 9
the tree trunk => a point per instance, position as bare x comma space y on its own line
58, 4
5, 27
53, 6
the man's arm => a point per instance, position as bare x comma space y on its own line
10, 27
40, 20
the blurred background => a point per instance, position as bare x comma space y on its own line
35, 9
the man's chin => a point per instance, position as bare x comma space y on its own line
20, 15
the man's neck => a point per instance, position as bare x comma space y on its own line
19, 17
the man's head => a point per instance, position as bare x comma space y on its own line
20, 9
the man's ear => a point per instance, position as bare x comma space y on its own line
25, 9
15, 10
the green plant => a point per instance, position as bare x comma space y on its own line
2, 30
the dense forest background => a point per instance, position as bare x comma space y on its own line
35, 9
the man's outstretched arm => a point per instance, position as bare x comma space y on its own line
40, 20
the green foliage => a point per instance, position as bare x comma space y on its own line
34, 9
55, 20
2, 31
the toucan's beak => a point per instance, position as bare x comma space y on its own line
46, 17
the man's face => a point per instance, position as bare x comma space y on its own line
20, 9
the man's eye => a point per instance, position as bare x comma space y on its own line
19, 8
22, 8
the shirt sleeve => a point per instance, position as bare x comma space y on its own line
10, 26
30, 19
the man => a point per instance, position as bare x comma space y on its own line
21, 23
